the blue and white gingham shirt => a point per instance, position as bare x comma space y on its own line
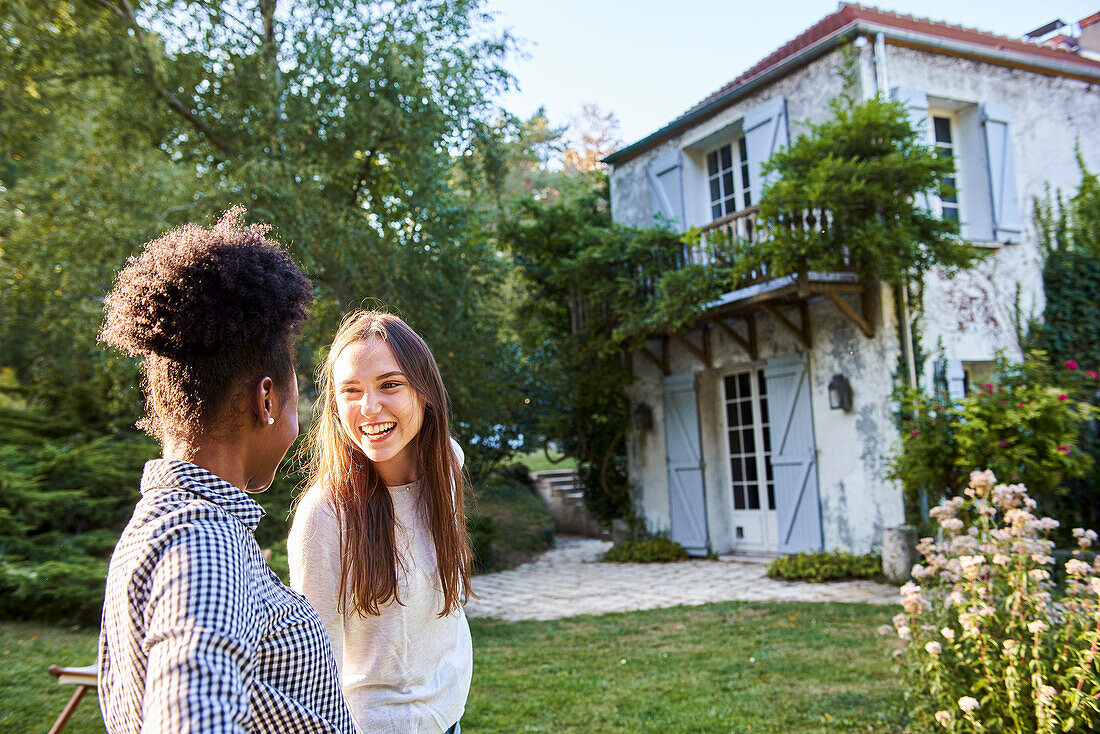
198, 634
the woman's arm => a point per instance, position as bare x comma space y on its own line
313, 551
200, 630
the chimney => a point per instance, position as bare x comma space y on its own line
1089, 40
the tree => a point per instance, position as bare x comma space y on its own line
592, 137
339, 121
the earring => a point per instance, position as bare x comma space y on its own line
270, 420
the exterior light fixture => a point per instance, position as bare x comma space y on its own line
643, 417
840, 393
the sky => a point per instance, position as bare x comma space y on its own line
650, 60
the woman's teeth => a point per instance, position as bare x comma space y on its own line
377, 430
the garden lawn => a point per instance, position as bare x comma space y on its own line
818, 668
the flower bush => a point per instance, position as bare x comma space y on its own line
825, 566
991, 643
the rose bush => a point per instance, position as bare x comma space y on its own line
991, 644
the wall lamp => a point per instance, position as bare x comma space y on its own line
643, 417
840, 393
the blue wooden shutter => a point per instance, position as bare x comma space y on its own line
765, 132
794, 455
1008, 224
666, 188
686, 497
916, 103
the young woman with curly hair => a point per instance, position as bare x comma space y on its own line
378, 545
198, 634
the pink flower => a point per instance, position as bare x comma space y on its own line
1004, 442
988, 386
1065, 450
916, 433
1063, 396
1019, 405
1092, 374
1071, 365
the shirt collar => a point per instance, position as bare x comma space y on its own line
176, 474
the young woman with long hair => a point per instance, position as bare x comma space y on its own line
198, 634
378, 544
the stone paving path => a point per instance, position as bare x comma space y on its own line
568, 581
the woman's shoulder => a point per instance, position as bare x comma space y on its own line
315, 508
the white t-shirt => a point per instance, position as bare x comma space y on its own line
407, 670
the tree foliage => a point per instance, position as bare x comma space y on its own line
849, 193
341, 122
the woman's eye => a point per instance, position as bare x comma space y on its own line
389, 385
349, 391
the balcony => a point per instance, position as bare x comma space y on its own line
757, 292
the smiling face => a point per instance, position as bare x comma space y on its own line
379, 408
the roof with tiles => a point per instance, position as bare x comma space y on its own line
849, 14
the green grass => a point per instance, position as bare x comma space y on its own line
818, 668
536, 461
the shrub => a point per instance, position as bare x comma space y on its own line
825, 566
54, 592
991, 644
507, 522
651, 550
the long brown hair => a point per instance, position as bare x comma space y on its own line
369, 558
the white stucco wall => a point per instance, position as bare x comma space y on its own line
975, 313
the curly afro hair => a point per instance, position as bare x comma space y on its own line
210, 310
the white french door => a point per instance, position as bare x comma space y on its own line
752, 485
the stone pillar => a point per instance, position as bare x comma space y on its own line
898, 552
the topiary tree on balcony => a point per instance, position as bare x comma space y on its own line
852, 192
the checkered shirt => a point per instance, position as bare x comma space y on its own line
198, 634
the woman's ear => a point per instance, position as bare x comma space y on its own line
262, 401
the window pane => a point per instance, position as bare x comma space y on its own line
771, 496
943, 129
716, 211
735, 442
738, 497
727, 183
746, 413
762, 383
715, 190
736, 470
767, 440
712, 164
731, 205
733, 416
731, 385
727, 161
743, 383
750, 470
749, 440
754, 497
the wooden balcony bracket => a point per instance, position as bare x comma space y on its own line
662, 361
801, 334
749, 344
859, 319
703, 355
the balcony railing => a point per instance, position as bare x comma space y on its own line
720, 242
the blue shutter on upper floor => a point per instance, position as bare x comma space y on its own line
1008, 223
666, 188
794, 455
686, 495
916, 104
766, 132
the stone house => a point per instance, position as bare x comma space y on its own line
765, 427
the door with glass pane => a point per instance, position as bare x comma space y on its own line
752, 487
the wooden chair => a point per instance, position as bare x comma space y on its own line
83, 679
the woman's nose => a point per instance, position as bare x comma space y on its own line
371, 405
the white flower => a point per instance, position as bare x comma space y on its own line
885, 629
948, 633
1043, 558
1095, 582
1000, 559
1037, 627
944, 717
933, 648
982, 481
901, 619
951, 523
1039, 574
1077, 567
903, 633
968, 704
1046, 694
1010, 645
